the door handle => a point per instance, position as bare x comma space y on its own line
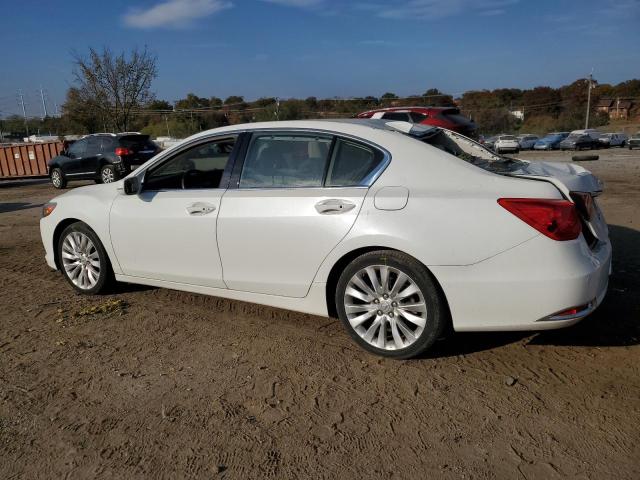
200, 208
334, 206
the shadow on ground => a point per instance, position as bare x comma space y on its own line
615, 323
15, 206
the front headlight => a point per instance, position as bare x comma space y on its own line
48, 208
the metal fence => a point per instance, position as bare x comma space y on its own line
27, 159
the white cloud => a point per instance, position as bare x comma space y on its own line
436, 9
174, 13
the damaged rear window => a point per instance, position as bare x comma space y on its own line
466, 149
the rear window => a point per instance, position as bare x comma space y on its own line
508, 137
417, 117
401, 116
137, 142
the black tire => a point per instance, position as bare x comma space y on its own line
108, 174
517, 150
437, 314
58, 179
105, 276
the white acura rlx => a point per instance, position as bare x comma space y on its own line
399, 230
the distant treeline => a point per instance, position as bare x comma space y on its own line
543, 109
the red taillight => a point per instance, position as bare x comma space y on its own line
557, 219
122, 151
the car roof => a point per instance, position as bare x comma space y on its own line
355, 126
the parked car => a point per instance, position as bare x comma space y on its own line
551, 141
489, 142
103, 157
634, 141
527, 141
506, 143
400, 230
579, 142
613, 140
445, 117
592, 132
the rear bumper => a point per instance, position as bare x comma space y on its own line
526, 287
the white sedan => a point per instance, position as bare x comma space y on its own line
402, 231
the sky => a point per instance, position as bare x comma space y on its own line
322, 48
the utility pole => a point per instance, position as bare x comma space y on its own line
167, 123
277, 108
586, 123
44, 105
24, 111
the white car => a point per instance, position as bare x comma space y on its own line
400, 230
613, 139
506, 143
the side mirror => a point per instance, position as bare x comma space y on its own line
132, 186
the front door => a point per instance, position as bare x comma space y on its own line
298, 196
168, 231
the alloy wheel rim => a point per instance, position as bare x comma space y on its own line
80, 260
385, 307
55, 178
107, 175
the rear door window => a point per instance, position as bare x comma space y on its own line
351, 164
417, 117
285, 161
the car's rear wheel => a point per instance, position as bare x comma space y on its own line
108, 174
58, 179
390, 304
83, 260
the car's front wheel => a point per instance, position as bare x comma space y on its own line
58, 179
83, 260
390, 304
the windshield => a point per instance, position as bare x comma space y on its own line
551, 137
573, 136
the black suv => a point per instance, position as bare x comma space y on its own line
103, 157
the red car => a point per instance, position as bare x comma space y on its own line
445, 117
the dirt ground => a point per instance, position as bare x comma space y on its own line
156, 383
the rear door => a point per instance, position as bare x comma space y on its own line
291, 201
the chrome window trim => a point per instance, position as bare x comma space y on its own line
367, 182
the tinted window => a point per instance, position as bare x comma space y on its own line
108, 144
78, 149
137, 142
403, 117
93, 145
351, 163
201, 166
417, 117
275, 161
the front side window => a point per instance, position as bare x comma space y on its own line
285, 161
351, 163
201, 166
78, 149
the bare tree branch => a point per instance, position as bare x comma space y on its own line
114, 84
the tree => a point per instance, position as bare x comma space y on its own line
389, 96
115, 85
436, 98
233, 100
